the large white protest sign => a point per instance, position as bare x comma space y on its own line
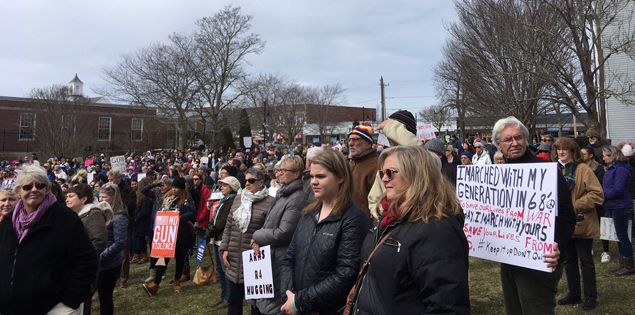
257, 274
425, 132
607, 230
118, 163
247, 142
204, 161
510, 211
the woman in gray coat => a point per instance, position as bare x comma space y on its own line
280, 225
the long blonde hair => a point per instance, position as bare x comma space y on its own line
429, 193
335, 162
112, 190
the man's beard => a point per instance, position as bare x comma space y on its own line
593, 141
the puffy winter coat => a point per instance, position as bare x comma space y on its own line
617, 183
94, 221
117, 238
421, 268
54, 263
280, 224
202, 214
235, 242
323, 260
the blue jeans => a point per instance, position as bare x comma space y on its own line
220, 270
620, 220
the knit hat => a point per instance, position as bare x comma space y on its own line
363, 131
436, 145
468, 154
232, 182
231, 170
405, 117
592, 133
179, 182
627, 150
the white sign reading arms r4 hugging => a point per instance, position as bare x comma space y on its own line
257, 274
510, 211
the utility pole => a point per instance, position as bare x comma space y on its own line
383, 98
264, 122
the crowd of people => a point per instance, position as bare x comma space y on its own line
353, 227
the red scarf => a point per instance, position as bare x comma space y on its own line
389, 217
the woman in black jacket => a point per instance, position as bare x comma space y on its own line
322, 261
422, 265
143, 223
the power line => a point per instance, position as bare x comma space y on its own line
411, 81
360, 86
364, 101
420, 96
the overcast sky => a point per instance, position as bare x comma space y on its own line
349, 42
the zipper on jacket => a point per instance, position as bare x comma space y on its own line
15, 259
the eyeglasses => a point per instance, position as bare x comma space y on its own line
30, 186
354, 140
251, 180
518, 138
196, 178
388, 173
591, 137
282, 170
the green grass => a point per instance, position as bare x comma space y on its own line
615, 294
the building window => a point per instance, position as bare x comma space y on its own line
105, 124
27, 126
68, 123
137, 129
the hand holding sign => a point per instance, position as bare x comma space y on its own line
552, 259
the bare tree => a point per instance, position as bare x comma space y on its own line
323, 111
60, 121
158, 76
437, 115
448, 84
223, 43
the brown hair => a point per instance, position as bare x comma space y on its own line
144, 182
429, 193
615, 155
335, 162
567, 144
82, 190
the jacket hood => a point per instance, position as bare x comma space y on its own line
623, 165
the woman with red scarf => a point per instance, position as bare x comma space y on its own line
418, 252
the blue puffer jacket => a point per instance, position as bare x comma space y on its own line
616, 185
117, 238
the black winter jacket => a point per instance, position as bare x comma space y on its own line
143, 218
55, 262
420, 269
323, 259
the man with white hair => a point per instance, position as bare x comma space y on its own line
306, 177
528, 291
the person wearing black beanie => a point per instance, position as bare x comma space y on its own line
405, 117
231, 170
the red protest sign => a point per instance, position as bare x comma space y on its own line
214, 207
166, 227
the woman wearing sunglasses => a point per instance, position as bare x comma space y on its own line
323, 259
47, 260
280, 225
247, 215
111, 258
419, 262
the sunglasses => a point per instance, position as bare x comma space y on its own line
388, 173
251, 180
30, 186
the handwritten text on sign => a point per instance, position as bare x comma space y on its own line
166, 227
257, 274
510, 211
118, 163
425, 132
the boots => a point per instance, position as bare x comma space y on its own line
135, 259
629, 268
151, 289
186, 275
143, 258
619, 266
153, 274
177, 285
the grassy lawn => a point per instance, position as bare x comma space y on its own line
615, 294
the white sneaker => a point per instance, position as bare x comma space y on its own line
605, 257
